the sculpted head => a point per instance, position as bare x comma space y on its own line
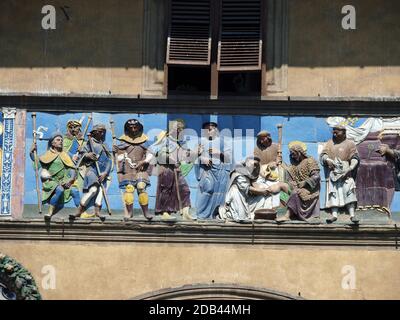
99, 132
339, 133
56, 141
264, 139
298, 151
176, 127
74, 127
210, 129
253, 165
133, 128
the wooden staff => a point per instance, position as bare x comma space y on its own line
280, 158
39, 198
279, 126
80, 147
85, 133
177, 190
98, 174
114, 142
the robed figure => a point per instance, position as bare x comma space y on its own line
212, 171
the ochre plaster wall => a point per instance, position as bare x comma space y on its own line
98, 49
326, 60
122, 271
95, 50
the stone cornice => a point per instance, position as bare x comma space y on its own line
290, 106
255, 234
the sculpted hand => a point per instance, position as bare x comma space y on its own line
91, 156
267, 191
140, 166
347, 173
330, 164
33, 148
102, 177
200, 149
214, 151
301, 184
68, 184
383, 149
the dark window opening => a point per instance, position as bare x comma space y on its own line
240, 83
189, 80
215, 47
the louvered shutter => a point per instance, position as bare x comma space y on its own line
189, 37
240, 42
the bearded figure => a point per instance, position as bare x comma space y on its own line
303, 176
341, 160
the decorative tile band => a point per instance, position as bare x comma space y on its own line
7, 160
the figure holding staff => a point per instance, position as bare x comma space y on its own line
57, 174
96, 157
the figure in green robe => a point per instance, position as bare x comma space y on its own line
58, 174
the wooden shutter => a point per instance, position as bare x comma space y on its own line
189, 37
240, 42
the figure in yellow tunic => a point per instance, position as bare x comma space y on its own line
133, 159
57, 174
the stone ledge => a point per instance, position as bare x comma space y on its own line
317, 106
260, 233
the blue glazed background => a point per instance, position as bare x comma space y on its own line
311, 130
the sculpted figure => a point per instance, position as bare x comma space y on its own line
266, 150
242, 194
72, 141
57, 174
96, 157
268, 180
212, 172
133, 158
391, 155
174, 161
341, 158
304, 180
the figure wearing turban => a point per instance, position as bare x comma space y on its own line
304, 180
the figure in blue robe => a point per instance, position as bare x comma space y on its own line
212, 171
97, 159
